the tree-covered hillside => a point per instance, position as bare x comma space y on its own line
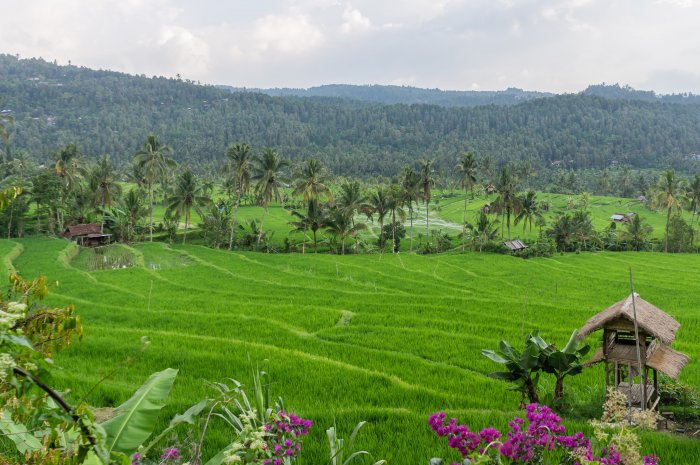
111, 113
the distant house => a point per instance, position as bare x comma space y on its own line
622, 217
490, 189
515, 245
88, 235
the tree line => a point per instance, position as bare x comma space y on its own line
72, 191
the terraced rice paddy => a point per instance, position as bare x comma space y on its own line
384, 338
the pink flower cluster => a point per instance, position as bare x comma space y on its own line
540, 433
285, 431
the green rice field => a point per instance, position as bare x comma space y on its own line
385, 338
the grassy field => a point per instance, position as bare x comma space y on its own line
446, 213
384, 338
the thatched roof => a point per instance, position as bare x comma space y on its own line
667, 360
661, 358
77, 230
650, 319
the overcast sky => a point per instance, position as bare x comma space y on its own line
550, 45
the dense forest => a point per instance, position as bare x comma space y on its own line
105, 112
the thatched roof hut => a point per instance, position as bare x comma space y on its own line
631, 353
651, 320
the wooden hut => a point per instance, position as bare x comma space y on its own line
515, 245
656, 331
87, 235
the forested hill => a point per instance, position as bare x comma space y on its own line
108, 112
403, 94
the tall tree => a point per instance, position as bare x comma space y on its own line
427, 181
188, 194
238, 169
69, 168
507, 201
312, 219
104, 186
410, 183
154, 161
395, 203
466, 168
693, 195
528, 210
352, 201
378, 203
311, 185
669, 195
269, 174
340, 223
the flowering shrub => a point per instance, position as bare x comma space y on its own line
539, 438
276, 442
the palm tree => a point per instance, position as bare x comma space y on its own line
104, 186
238, 174
352, 201
341, 224
427, 182
466, 169
378, 205
411, 194
528, 209
483, 230
187, 195
507, 201
153, 160
69, 168
268, 171
134, 209
313, 218
395, 204
669, 195
637, 233
311, 186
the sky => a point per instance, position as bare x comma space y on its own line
546, 45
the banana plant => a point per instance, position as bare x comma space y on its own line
522, 367
136, 418
564, 362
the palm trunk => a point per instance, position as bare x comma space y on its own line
150, 212
427, 220
393, 231
38, 221
508, 212
381, 234
410, 211
262, 223
464, 220
558, 390
668, 219
342, 246
187, 225
102, 225
233, 222
303, 241
315, 243
9, 224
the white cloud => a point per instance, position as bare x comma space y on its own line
292, 33
354, 21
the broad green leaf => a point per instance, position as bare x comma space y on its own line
17, 433
490, 354
137, 417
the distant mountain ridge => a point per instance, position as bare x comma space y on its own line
391, 94
106, 112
